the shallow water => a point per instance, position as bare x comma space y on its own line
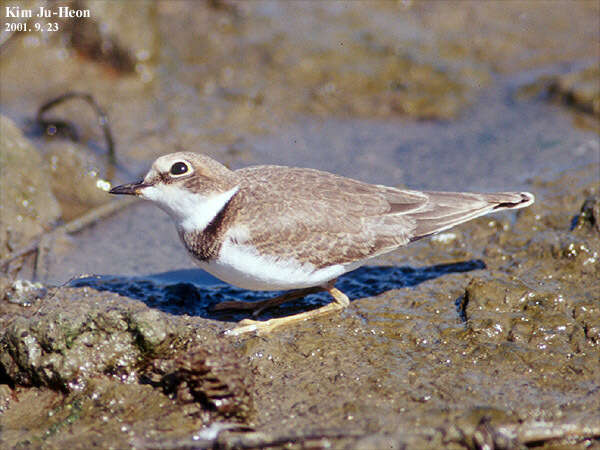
492, 147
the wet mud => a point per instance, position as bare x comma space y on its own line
505, 336
485, 336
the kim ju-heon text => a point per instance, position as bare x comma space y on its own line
57, 12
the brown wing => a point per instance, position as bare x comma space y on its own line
348, 220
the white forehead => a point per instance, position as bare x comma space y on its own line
164, 163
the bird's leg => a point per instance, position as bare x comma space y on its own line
261, 305
340, 302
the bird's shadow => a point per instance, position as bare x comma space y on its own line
194, 292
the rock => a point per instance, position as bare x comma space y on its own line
24, 292
77, 176
579, 89
64, 346
589, 217
27, 205
204, 376
79, 335
104, 39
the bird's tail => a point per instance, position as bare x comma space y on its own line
444, 210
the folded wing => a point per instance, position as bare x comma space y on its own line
322, 217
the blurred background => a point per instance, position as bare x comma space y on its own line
464, 95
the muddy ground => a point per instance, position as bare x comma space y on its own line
499, 344
484, 336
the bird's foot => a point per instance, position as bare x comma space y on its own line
266, 326
250, 326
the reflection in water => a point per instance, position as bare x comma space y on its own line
195, 292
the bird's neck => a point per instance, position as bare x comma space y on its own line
203, 235
193, 213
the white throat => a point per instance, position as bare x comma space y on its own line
190, 211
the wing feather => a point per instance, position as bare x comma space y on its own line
349, 220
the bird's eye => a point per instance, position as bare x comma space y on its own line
179, 168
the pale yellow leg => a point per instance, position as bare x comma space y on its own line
340, 302
258, 307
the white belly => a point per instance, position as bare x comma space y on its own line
242, 266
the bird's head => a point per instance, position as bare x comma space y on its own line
191, 187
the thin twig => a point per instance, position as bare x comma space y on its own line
102, 119
76, 225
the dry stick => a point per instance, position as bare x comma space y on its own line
251, 440
72, 227
545, 431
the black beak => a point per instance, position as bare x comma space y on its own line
129, 189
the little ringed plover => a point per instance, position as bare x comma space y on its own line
288, 228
